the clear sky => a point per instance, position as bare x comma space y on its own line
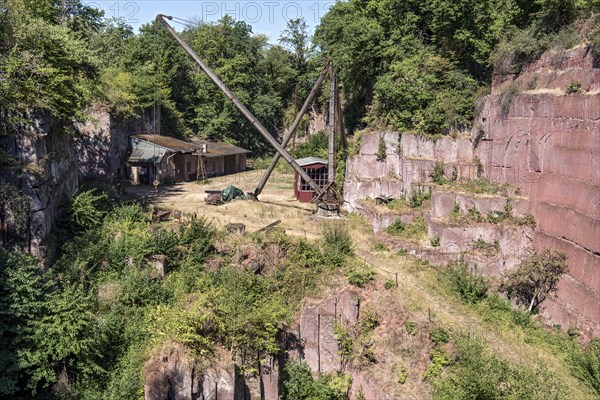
268, 17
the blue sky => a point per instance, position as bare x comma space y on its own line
268, 17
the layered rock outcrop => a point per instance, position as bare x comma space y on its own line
546, 141
538, 131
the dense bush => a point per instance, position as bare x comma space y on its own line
337, 242
300, 384
199, 239
360, 276
470, 286
418, 197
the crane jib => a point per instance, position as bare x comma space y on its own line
231, 95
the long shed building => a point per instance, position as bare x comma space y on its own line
173, 160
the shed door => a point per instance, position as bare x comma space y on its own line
179, 167
230, 166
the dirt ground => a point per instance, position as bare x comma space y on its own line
277, 202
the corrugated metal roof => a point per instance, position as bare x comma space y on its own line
214, 149
145, 152
310, 160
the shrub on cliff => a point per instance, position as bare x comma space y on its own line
437, 175
535, 278
470, 286
300, 385
85, 209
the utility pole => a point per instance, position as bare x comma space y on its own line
332, 111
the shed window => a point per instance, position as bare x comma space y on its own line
318, 175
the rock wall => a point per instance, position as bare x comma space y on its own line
408, 162
388, 341
46, 155
54, 157
175, 375
538, 138
102, 143
547, 142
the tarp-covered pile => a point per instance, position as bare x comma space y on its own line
231, 193
228, 194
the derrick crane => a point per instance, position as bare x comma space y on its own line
280, 148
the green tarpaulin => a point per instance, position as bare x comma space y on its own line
231, 192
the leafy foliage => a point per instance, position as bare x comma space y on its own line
586, 364
300, 385
478, 373
361, 276
354, 341
535, 277
470, 286
337, 242
437, 175
198, 236
46, 65
381, 149
315, 146
84, 209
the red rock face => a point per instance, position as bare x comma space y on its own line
548, 143
543, 140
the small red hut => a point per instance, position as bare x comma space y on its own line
316, 168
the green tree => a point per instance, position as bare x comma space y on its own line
44, 64
236, 55
536, 277
22, 301
64, 339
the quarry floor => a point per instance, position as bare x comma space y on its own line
277, 202
418, 285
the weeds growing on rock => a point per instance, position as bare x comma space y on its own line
574, 87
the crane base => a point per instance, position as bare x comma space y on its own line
328, 210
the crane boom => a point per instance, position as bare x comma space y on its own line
160, 18
292, 130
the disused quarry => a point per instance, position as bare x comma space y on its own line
379, 330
